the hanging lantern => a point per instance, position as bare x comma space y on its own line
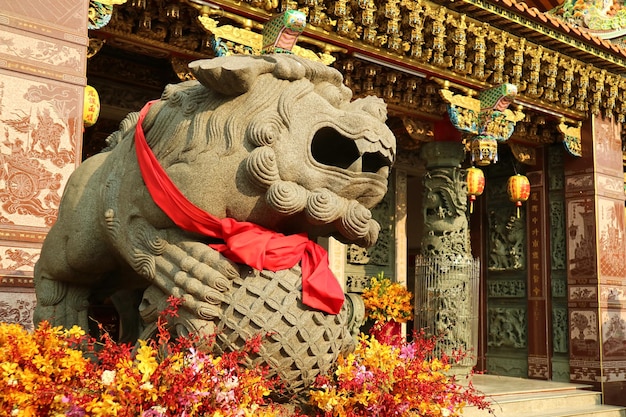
91, 106
484, 150
518, 188
475, 184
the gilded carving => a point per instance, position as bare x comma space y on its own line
478, 46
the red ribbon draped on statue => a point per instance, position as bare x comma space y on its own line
244, 242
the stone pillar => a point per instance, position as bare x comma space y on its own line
596, 261
446, 274
43, 48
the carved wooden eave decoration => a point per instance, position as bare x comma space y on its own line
523, 21
424, 36
472, 43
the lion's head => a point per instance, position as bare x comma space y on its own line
275, 140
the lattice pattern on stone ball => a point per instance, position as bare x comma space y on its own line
301, 342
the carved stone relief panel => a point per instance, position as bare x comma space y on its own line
584, 334
17, 261
17, 307
506, 288
515, 367
381, 253
614, 334
70, 15
41, 126
557, 233
581, 235
507, 240
613, 293
361, 263
556, 175
558, 285
607, 146
610, 248
579, 293
559, 330
357, 283
507, 327
41, 56
610, 186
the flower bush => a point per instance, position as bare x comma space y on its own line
56, 372
59, 372
380, 379
387, 301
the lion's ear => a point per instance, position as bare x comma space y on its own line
230, 75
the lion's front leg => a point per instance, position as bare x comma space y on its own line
197, 274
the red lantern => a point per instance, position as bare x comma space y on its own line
475, 184
518, 188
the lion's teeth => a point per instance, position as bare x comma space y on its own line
357, 166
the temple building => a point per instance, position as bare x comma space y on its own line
527, 269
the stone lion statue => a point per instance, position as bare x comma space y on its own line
273, 144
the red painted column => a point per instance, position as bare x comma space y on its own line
538, 240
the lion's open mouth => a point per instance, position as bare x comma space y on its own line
331, 148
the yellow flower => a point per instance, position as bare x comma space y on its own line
146, 360
386, 301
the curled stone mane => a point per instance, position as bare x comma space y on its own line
194, 113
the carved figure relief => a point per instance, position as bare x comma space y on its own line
507, 288
614, 334
580, 293
272, 141
17, 308
557, 232
507, 240
611, 249
37, 150
581, 231
507, 327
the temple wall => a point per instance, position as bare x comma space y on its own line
597, 262
43, 47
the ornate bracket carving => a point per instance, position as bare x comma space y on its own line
488, 115
571, 138
247, 41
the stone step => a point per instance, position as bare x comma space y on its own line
525, 403
517, 397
